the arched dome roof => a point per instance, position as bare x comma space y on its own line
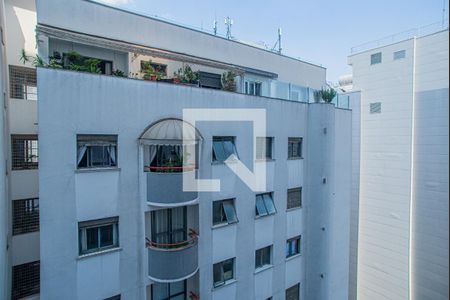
170, 132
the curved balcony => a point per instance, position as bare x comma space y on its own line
172, 262
165, 189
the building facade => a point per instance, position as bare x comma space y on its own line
98, 210
400, 229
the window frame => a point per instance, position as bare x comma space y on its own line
231, 203
297, 249
222, 139
224, 280
20, 80
374, 60
294, 287
402, 54
261, 200
268, 143
168, 286
83, 226
171, 232
97, 140
260, 262
251, 87
21, 273
26, 221
291, 142
23, 144
293, 190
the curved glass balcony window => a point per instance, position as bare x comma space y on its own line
170, 148
172, 246
165, 150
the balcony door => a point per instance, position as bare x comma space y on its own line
168, 227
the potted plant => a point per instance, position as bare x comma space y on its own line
148, 70
228, 82
328, 94
185, 75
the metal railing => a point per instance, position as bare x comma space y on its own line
401, 36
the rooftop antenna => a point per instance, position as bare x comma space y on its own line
278, 42
228, 23
215, 27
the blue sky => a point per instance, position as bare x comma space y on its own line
321, 31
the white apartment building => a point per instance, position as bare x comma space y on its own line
104, 215
400, 208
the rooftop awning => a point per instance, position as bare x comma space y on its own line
170, 132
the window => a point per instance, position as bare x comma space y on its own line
293, 293
224, 212
169, 227
295, 147
253, 88
96, 151
265, 205
98, 235
210, 80
25, 216
263, 257
294, 198
105, 66
25, 279
158, 68
169, 291
24, 152
223, 148
116, 297
223, 272
22, 83
399, 54
264, 147
375, 108
375, 58
171, 158
293, 246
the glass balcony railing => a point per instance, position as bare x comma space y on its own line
294, 92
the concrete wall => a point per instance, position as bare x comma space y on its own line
385, 184
355, 105
328, 196
79, 15
403, 201
4, 199
430, 209
87, 103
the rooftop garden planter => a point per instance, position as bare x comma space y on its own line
328, 94
228, 81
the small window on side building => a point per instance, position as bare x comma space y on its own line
223, 271
224, 212
293, 246
294, 198
293, 293
96, 151
263, 257
375, 58
25, 216
98, 235
295, 145
223, 148
264, 147
264, 205
25, 152
399, 54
